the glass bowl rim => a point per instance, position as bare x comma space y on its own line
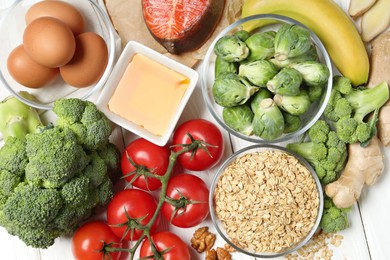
111, 56
255, 148
204, 70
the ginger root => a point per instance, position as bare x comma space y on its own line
203, 240
364, 166
380, 71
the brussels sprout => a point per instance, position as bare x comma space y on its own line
295, 105
313, 73
230, 90
258, 72
222, 66
268, 123
315, 92
291, 40
231, 48
310, 55
239, 118
263, 93
286, 82
261, 45
291, 122
242, 35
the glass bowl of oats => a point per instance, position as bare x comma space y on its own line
265, 201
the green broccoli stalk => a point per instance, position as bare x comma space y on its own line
333, 219
349, 108
18, 119
325, 151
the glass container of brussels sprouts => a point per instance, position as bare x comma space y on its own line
268, 83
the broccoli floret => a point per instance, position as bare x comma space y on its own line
319, 132
103, 193
32, 206
90, 125
324, 151
348, 109
55, 157
96, 170
13, 156
8, 182
76, 191
333, 219
111, 156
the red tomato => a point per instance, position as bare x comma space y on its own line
138, 205
199, 159
166, 240
193, 193
90, 240
146, 157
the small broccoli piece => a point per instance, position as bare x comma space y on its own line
333, 219
342, 84
55, 157
348, 109
111, 156
325, 151
8, 182
13, 156
31, 206
319, 132
76, 191
96, 170
90, 125
103, 193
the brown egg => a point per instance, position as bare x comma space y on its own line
49, 42
27, 72
63, 11
88, 63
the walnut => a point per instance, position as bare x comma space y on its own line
202, 240
229, 248
211, 255
223, 254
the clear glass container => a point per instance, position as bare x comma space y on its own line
12, 27
207, 78
219, 225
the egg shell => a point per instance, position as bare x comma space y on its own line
27, 72
49, 42
88, 63
63, 11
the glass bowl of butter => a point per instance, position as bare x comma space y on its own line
146, 92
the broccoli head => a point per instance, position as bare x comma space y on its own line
324, 151
333, 219
52, 177
55, 157
349, 107
90, 125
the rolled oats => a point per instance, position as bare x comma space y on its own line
266, 201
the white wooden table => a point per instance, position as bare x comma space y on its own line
365, 239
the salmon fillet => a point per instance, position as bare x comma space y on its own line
182, 25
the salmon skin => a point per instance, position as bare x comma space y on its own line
182, 25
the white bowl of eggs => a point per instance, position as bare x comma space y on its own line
55, 48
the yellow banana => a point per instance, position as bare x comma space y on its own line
329, 22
